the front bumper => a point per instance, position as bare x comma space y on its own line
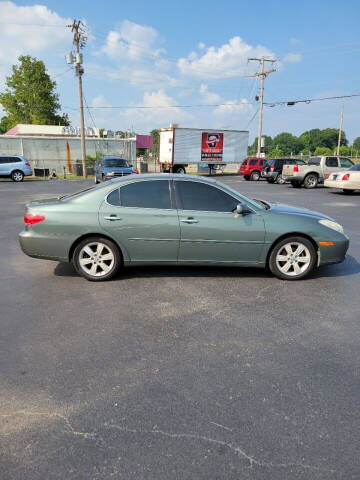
335, 253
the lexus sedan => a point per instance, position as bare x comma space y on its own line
172, 219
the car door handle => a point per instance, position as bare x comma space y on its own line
112, 217
189, 220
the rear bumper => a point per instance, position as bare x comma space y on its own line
292, 178
37, 246
346, 185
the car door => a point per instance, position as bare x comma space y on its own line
210, 231
331, 165
4, 166
142, 218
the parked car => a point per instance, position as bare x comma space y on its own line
251, 168
14, 166
109, 167
347, 180
272, 171
177, 219
315, 171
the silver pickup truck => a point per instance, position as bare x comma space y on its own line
315, 171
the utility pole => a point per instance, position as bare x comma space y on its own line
262, 74
79, 41
340, 130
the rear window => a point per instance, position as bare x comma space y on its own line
314, 161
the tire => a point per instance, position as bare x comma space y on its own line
311, 180
255, 176
280, 179
270, 180
17, 176
288, 266
94, 269
295, 184
180, 170
347, 191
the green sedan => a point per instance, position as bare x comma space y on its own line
171, 219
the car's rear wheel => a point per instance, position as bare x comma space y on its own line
179, 170
293, 258
347, 191
97, 259
295, 183
17, 176
311, 180
255, 176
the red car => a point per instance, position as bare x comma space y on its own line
251, 168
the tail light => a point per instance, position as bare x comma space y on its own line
296, 168
346, 176
136, 170
272, 168
27, 164
328, 176
31, 219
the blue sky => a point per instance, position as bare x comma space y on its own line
158, 53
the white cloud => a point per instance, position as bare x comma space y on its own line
100, 101
229, 60
154, 115
207, 96
19, 39
234, 107
132, 41
293, 58
201, 45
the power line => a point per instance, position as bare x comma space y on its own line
131, 107
309, 100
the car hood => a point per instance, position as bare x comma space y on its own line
290, 210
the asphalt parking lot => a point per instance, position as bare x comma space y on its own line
179, 373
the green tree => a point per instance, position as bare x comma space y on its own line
30, 95
155, 134
356, 146
345, 151
252, 150
276, 153
288, 143
323, 151
310, 140
329, 138
5, 125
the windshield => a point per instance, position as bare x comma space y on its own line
314, 161
115, 162
355, 168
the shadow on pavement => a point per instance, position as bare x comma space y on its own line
350, 267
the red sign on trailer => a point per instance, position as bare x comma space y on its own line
212, 146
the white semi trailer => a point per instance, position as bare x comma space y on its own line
180, 147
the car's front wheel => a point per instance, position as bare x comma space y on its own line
97, 259
17, 176
293, 258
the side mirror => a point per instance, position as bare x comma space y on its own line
239, 209
242, 209
130, 166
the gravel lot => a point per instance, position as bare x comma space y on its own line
179, 373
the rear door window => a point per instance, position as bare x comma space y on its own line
146, 194
203, 197
253, 162
331, 162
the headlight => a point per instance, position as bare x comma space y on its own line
333, 225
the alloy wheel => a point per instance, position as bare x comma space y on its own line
17, 176
96, 259
293, 259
